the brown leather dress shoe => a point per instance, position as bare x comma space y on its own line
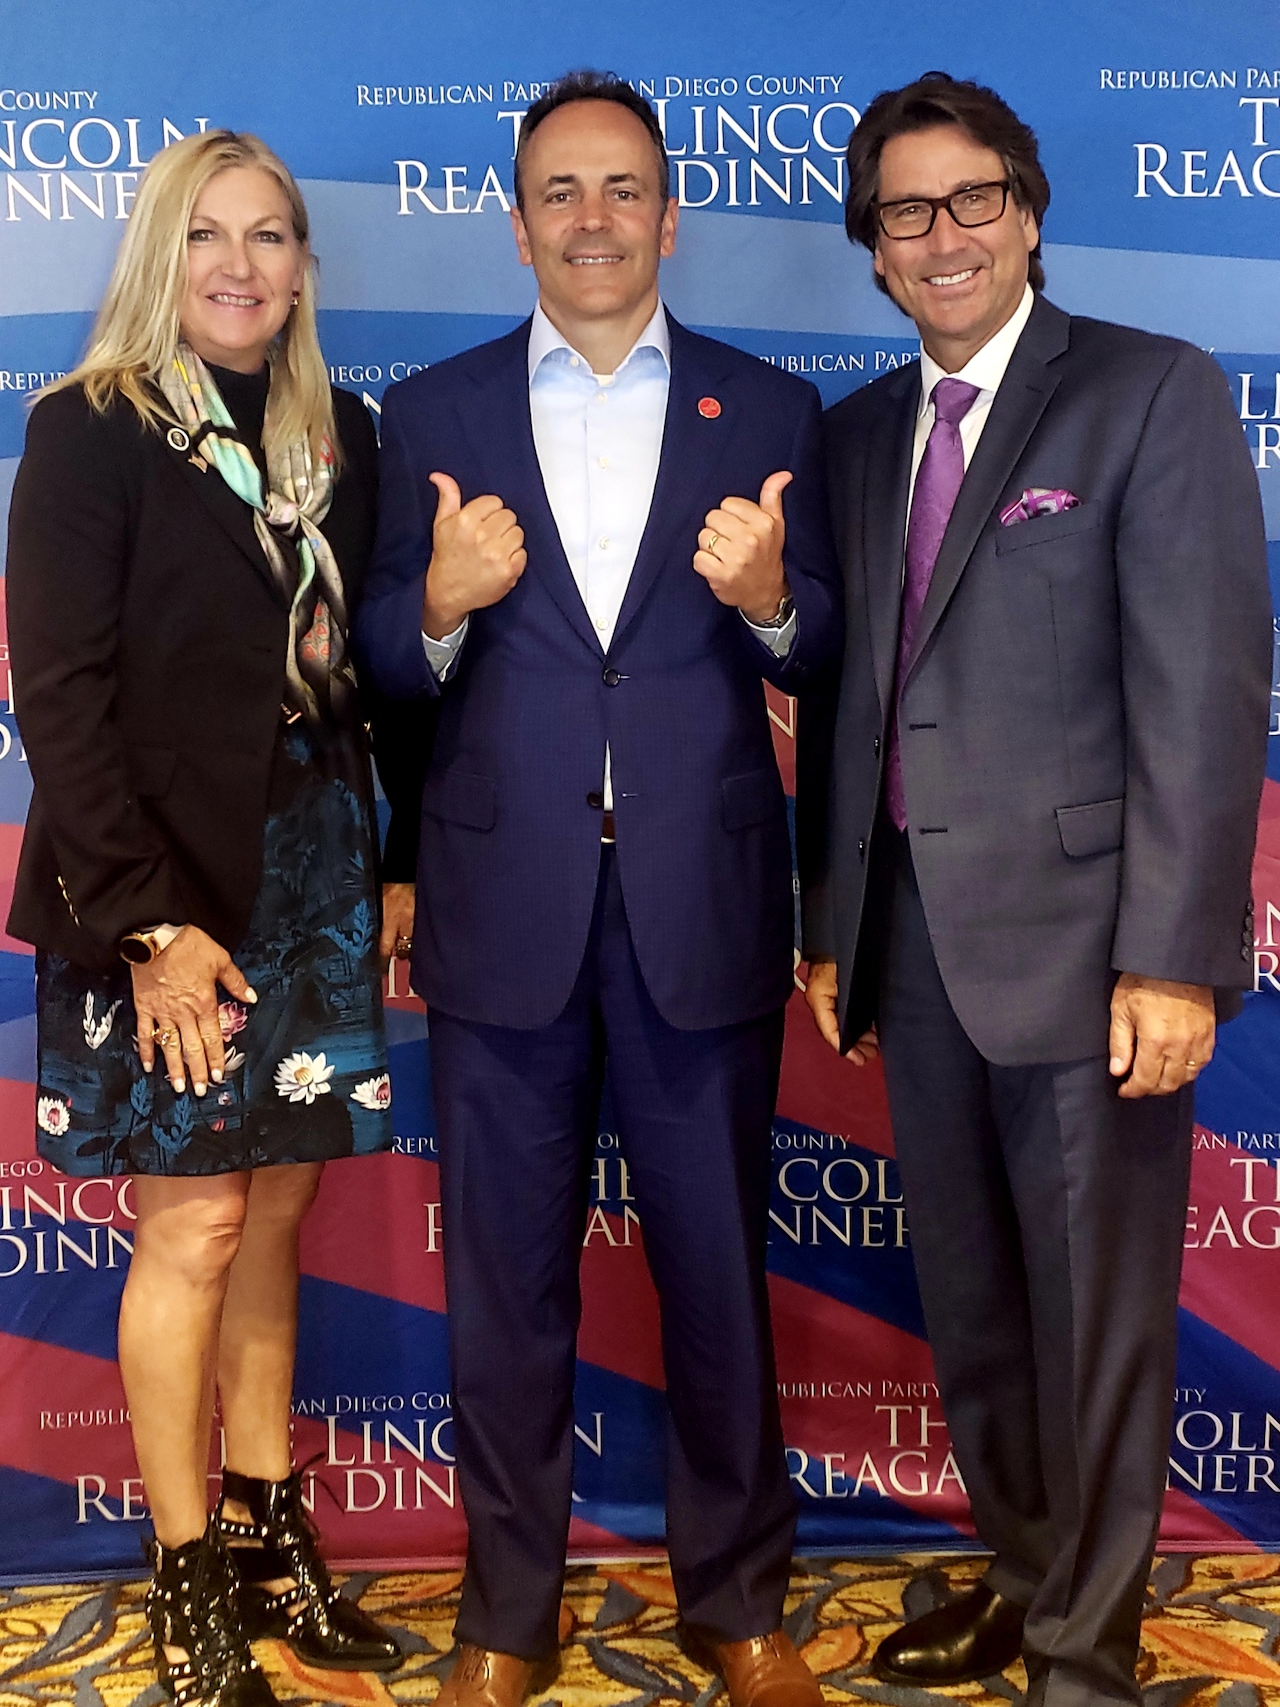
764, 1671
482, 1677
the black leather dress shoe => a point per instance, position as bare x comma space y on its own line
973, 1637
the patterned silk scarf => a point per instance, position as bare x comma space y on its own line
318, 678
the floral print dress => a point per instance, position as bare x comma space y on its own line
306, 1068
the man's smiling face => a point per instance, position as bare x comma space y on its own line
959, 286
594, 224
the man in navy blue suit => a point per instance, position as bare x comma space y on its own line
605, 870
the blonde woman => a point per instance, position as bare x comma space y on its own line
189, 530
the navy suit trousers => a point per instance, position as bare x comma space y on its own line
1047, 1218
518, 1112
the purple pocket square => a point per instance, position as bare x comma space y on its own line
1038, 501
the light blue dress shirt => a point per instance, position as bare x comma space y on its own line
598, 440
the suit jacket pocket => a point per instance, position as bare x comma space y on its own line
1037, 529
461, 797
1094, 829
151, 770
753, 798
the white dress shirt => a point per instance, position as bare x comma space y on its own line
598, 440
985, 370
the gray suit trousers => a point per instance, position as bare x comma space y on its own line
1047, 1220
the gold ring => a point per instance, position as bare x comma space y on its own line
403, 946
1193, 1063
165, 1037
712, 542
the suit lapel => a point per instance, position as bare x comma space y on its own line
888, 479
692, 448
501, 435
231, 512
1023, 396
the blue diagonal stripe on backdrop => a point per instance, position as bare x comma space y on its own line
38, 1518
882, 1526
1211, 1363
1239, 1090
75, 1308
627, 1421
380, 1345
357, 338
878, 1279
17, 985
730, 269
18, 1044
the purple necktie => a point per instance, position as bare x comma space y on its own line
937, 483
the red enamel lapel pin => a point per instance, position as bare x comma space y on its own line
708, 408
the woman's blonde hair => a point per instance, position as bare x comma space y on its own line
137, 329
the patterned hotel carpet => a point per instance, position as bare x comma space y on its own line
1211, 1635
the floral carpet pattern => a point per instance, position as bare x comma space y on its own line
1212, 1635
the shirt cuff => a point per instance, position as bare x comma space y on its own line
163, 934
778, 640
443, 654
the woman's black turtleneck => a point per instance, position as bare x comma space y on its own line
245, 395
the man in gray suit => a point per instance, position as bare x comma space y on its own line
1026, 826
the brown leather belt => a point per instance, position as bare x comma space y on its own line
608, 829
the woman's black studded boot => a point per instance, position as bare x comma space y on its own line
193, 1607
279, 1546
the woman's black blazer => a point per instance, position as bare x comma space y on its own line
148, 641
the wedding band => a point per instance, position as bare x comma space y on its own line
711, 543
1193, 1063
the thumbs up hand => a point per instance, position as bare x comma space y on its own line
739, 551
477, 556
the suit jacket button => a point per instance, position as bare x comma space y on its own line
596, 800
876, 744
612, 677
862, 846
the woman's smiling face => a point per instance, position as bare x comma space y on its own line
244, 265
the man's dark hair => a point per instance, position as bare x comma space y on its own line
937, 99
593, 86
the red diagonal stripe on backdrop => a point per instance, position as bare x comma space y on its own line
10, 842
372, 1516
338, 1244
46, 1384
821, 1089
588, 1540
1197, 1529
782, 726
1266, 854
17, 1122
620, 1329
1233, 1286
823, 1343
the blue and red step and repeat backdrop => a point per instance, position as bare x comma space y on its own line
1163, 148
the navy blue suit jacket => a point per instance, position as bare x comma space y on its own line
510, 847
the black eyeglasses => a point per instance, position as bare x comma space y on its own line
976, 204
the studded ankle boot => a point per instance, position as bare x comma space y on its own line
192, 1605
279, 1547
